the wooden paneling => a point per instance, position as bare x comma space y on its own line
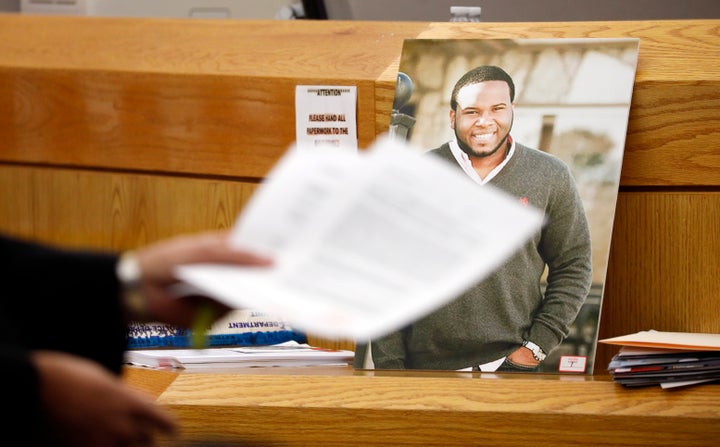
212, 125
113, 210
663, 266
197, 97
178, 96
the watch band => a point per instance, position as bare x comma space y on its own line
536, 350
129, 275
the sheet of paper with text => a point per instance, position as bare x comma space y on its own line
325, 116
365, 243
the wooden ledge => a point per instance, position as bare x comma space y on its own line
215, 98
338, 406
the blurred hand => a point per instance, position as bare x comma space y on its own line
88, 406
157, 262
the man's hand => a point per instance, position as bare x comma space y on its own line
523, 356
156, 264
88, 406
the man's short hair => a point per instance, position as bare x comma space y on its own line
481, 74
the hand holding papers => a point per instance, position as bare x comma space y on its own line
365, 242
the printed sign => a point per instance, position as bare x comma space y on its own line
325, 116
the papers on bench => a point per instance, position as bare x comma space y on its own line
668, 359
283, 354
668, 340
365, 242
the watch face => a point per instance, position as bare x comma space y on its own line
535, 349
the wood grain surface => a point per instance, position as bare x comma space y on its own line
406, 408
217, 97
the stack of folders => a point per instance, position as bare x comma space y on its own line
665, 367
667, 359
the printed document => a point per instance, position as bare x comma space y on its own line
365, 242
284, 354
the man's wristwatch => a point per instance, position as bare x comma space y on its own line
536, 350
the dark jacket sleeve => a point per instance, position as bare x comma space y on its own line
22, 393
64, 300
55, 299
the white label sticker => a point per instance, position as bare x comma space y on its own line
325, 116
572, 363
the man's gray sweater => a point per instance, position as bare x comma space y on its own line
492, 319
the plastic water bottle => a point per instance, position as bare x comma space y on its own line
465, 13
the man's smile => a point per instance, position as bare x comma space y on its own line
482, 138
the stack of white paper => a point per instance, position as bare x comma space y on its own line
365, 242
283, 354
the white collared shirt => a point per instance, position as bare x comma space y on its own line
464, 162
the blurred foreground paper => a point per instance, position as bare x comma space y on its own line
365, 242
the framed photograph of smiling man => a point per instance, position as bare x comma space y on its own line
545, 121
